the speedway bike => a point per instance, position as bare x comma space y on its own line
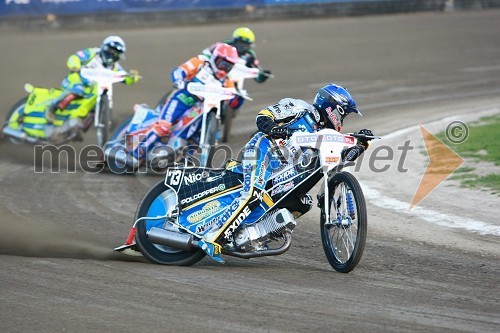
238, 74
198, 127
175, 218
94, 108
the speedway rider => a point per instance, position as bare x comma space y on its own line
75, 86
331, 105
219, 65
243, 40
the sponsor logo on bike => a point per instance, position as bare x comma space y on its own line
284, 176
203, 194
307, 200
191, 178
349, 140
332, 159
320, 138
257, 195
282, 188
237, 221
262, 171
207, 210
247, 178
206, 225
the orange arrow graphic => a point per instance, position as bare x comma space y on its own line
442, 162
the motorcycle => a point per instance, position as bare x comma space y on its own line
238, 75
175, 217
71, 122
199, 126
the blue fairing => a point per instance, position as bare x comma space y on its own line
151, 117
201, 217
191, 131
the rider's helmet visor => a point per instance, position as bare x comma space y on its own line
223, 64
112, 54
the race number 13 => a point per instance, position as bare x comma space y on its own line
174, 177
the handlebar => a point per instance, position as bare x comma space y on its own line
366, 137
269, 75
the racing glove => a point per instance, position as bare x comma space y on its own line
362, 141
263, 76
352, 153
180, 84
132, 77
278, 132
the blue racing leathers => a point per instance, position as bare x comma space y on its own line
260, 160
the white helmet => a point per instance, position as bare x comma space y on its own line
112, 49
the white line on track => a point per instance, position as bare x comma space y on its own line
429, 215
446, 220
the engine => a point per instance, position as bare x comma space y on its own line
255, 236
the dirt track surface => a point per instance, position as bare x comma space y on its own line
57, 269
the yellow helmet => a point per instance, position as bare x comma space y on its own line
244, 34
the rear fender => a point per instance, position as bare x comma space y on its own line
39, 98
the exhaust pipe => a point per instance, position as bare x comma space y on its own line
18, 134
173, 239
118, 154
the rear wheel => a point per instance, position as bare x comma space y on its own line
154, 204
14, 117
104, 121
344, 235
114, 166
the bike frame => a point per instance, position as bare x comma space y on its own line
104, 79
212, 96
330, 144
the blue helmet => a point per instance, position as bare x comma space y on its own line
334, 103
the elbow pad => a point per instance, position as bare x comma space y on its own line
74, 63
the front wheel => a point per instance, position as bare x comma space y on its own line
104, 121
344, 235
155, 204
228, 122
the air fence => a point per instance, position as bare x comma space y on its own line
76, 14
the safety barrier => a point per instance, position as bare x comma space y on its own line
68, 14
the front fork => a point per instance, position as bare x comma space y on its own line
344, 206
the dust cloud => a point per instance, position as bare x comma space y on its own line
29, 239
